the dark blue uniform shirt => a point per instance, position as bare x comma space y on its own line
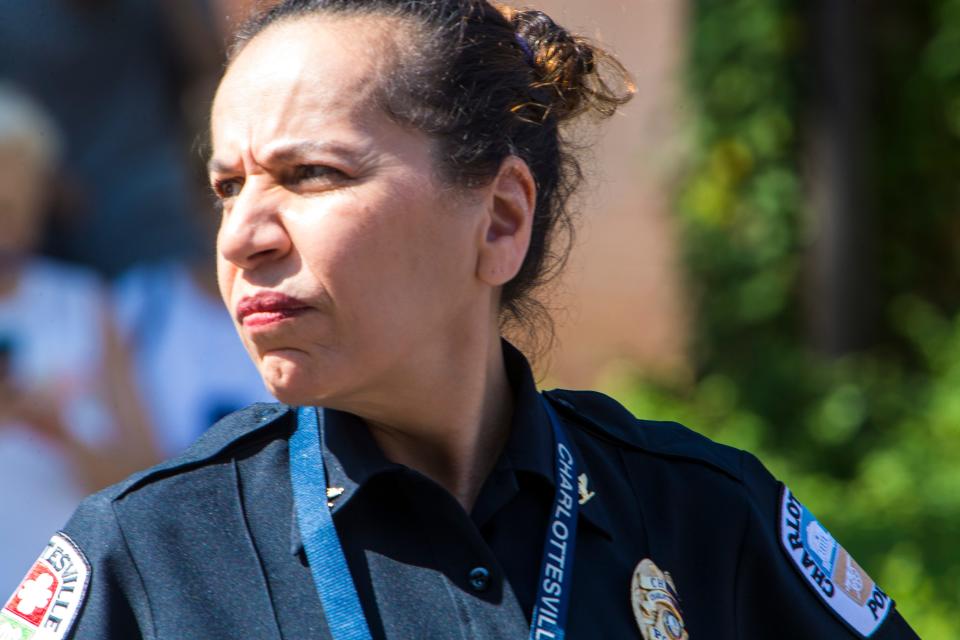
207, 546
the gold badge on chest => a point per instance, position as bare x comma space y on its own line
656, 604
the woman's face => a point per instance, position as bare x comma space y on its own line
342, 259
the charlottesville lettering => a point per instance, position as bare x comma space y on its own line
795, 539
555, 569
50, 595
62, 563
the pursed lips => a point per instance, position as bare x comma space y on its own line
268, 307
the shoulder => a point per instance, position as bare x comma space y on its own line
792, 557
129, 538
247, 427
107, 523
672, 465
602, 417
668, 468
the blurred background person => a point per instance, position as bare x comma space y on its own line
69, 422
129, 82
191, 368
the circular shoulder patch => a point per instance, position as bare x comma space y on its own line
829, 570
45, 605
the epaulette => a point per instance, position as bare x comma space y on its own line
230, 431
608, 419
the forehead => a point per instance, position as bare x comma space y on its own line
301, 76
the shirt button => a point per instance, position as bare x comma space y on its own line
479, 578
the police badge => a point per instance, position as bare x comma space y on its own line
656, 604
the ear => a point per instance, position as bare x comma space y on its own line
505, 236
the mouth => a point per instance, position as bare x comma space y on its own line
267, 308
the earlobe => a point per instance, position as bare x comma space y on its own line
509, 212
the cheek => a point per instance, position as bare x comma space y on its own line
346, 262
428, 285
396, 255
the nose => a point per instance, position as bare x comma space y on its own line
251, 231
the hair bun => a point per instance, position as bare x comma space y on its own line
580, 76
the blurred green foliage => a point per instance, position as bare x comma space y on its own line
870, 441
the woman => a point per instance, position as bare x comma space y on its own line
392, 177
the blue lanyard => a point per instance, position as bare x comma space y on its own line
556, 569
331, 575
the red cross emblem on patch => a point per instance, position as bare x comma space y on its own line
47, 602
32, 599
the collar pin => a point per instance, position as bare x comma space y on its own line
333, 493
585, 494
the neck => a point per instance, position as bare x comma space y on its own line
459, 419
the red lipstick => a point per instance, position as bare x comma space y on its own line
267, 308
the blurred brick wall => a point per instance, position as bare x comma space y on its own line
623, 291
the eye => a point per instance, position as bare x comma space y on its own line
227, 188
315, 172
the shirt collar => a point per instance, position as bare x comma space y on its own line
352, 457
531, 446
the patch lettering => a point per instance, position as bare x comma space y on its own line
827, 567
45, 605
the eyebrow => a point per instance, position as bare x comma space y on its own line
285, 152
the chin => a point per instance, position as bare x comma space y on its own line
290, 381
293, 390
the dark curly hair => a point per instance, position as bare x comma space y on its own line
487, 81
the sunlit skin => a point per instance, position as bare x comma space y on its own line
328, 200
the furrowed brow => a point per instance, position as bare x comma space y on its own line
286, 152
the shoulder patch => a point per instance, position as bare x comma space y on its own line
829, 570
47, 601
